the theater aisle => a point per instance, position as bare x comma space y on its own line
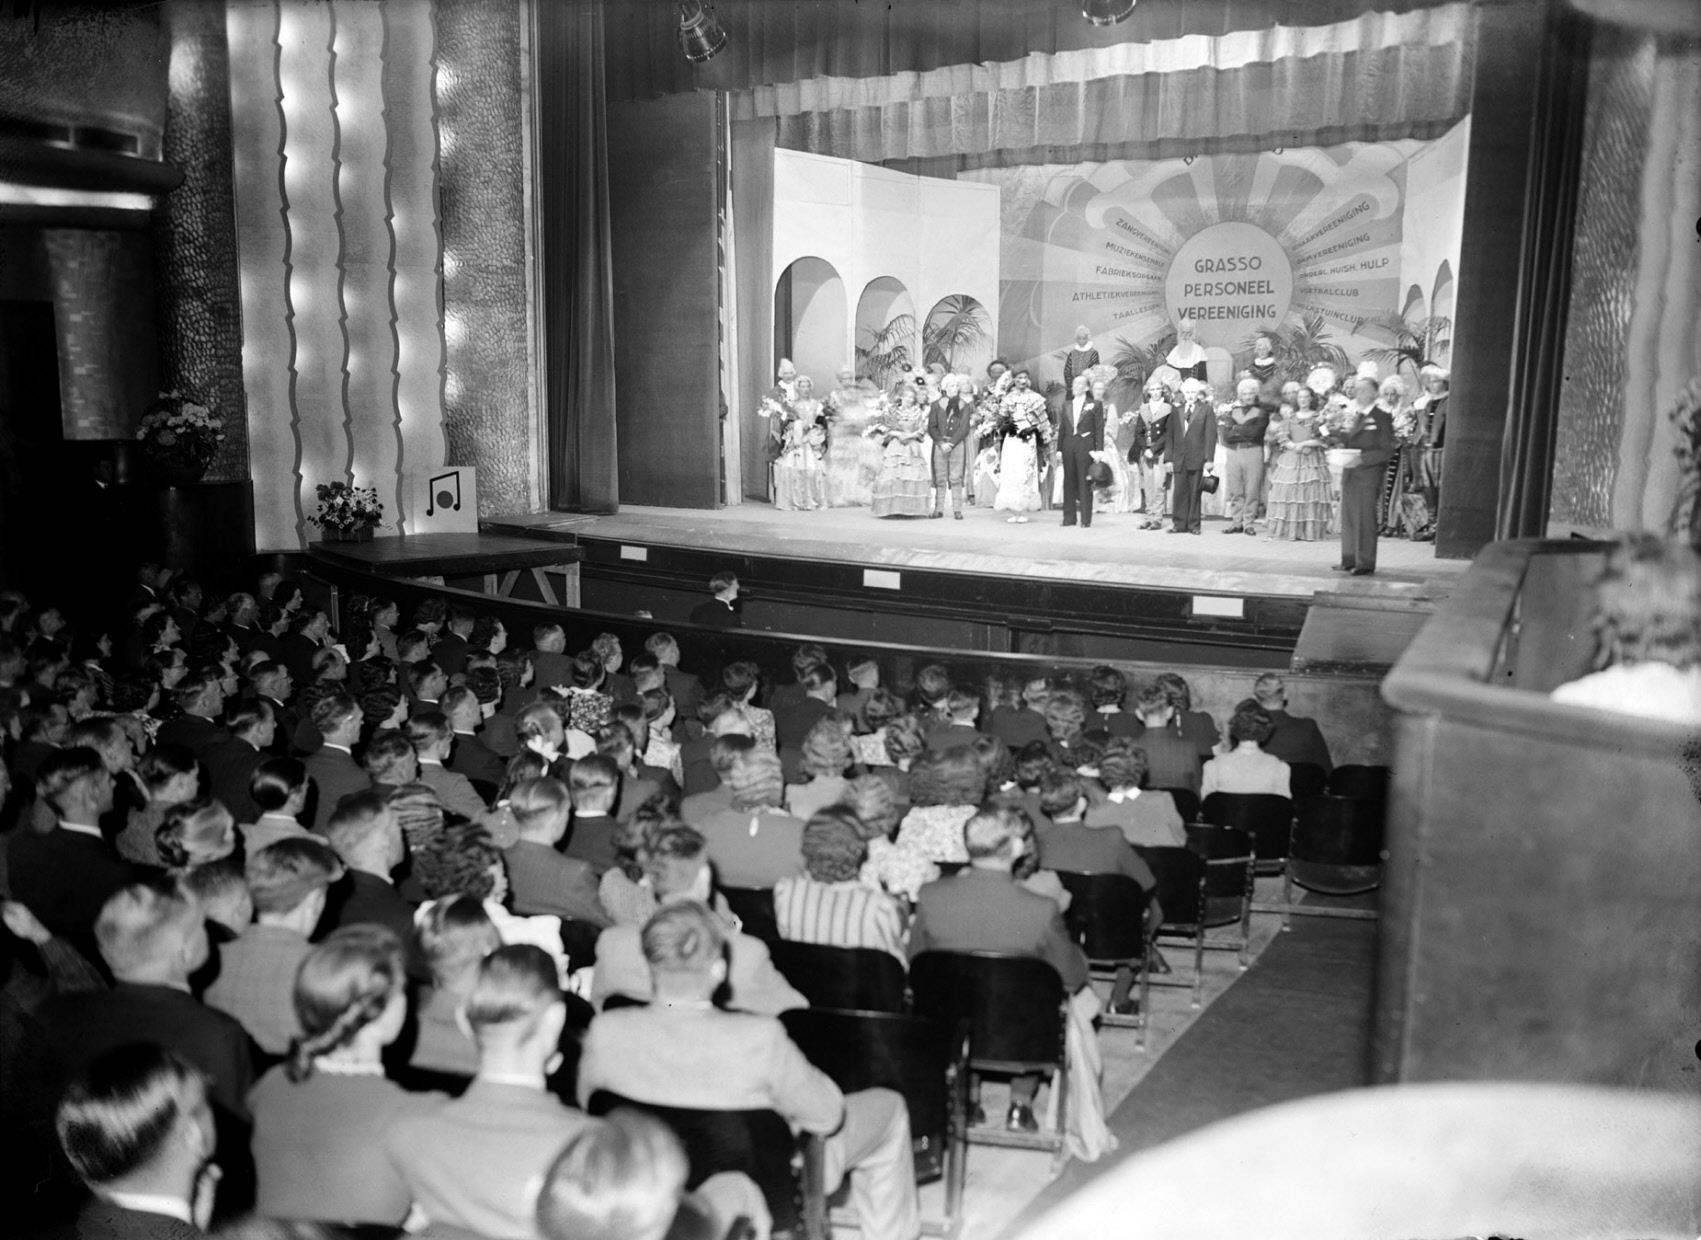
1297, 1025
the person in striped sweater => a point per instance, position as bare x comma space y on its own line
828, 903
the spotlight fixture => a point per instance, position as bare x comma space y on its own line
701, 35
1107, 12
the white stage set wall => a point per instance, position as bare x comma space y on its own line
866, 245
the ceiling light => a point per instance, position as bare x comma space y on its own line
1106, 12
701, 35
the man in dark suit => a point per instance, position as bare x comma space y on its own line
793, 721
1080, 433
983, 908
272, 683
1189, 454
136, 1125
474, 1164
242, 611
201, 696
551, 665
66, 875
470, 756
685, 689
332, 768
1361, 483
540, 879
1295, 739
722, 611
366, 836
450, 652
948, 420
1172, 761
230, 763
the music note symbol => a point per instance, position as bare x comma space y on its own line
443, 499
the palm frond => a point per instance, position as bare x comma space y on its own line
958, 324
884, 353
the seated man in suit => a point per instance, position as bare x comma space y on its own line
984, 908
682, 1051
962, 710
476, 1162
723, 752
685, 689
471, 755
551, 665
201, 696
135, 1125
1146, 817
278, 789
817, 691
367, 837
540, 879
594, 782
66, 875
230, 764
332, 768
1172, 761
432, 739
1295, 739
677, 865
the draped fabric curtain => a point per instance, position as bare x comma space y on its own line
1537, 360
753, 223
1378, 77
775, 41
578, 285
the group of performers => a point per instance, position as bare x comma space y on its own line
1302, 460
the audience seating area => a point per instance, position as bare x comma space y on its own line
245, 803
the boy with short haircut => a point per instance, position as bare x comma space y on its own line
432, 740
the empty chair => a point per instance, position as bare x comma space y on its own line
754, 908
852, 979
926, 1061
1229, 871
1181, 893
758, 1143
1186, 802
1336, 850
1368, 782
1306, 779
1266, 818
1018, 1018
1107, 916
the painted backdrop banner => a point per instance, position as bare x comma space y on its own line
1239, 243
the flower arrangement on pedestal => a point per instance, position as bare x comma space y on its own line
179, 436
347, 513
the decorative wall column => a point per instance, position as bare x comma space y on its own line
200, 302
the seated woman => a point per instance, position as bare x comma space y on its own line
945, 789
195, 833
826, 754
828, 903
1065, 716
1146, 818
1247, 768
877, 809
1647, 634
170, 776
320, 1117
754, 843
878, 711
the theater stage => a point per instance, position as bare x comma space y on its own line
1114, 552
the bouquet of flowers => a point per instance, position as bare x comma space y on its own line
1336, 421
988, 415
1025, 414
346, 508
179, 432
777, 410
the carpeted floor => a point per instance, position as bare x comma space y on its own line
1298, 1023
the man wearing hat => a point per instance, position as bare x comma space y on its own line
1188, 455
1372, 436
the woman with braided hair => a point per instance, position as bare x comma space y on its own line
320, 1116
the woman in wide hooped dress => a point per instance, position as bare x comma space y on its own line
904, 487
853, 460
1027, 437
1302, 499
799, 479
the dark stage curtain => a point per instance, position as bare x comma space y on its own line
1544, 281
780, 41
753, 226
578, 286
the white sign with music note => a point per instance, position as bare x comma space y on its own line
443, 501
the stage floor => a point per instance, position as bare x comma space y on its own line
1115, 551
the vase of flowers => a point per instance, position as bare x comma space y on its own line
179, 437
347, 513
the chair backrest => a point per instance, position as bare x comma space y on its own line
754, 908
853, 979
1264, 816
1181, 883
1332, 830
1106, 915
758, 1143
1186, 802
1367, 782
924, 1060
1228, 869
579, 941
1306, 779
1014, 1005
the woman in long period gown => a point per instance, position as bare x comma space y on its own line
1027, 436
799, 483
1125, 477
1302, 498
905, 485
852, 459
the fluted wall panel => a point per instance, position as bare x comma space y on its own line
481, 99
